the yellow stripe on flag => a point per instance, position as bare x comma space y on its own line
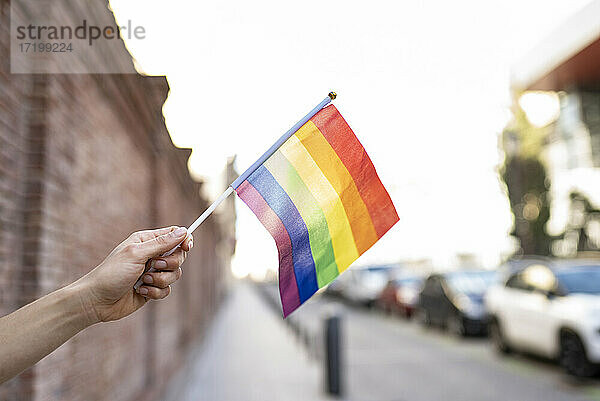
344, 246
340, 179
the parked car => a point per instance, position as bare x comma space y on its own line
519, 263
550, 310
362, 285
401, 295
455, 300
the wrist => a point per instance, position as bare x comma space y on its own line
82, 303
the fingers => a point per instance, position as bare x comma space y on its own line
161, 243
154, 292
161, 279
157, 285
171, 262
147, 235
188, 243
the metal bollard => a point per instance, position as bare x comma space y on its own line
333, 356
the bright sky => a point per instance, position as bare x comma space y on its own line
424, 84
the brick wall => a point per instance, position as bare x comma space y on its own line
84, 161
12, 163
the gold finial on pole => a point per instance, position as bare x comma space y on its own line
332, 95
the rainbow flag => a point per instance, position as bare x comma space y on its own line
321, 200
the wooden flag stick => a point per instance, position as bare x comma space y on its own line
246, 174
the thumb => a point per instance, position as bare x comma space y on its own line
163, 243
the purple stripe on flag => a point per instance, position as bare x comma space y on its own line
278, 200
288, 288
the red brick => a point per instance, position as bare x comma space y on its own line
84, 161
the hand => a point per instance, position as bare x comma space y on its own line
108, 289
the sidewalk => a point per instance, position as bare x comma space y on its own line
248, 355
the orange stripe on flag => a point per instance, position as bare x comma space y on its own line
340, 179
350, 151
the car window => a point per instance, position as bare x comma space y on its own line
516, 282
534, 278
411, 282
580, 280
472, 283
427, 286
374, 279
438, 287
539, 278
431, 285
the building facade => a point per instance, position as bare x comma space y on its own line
568, 63
84, 161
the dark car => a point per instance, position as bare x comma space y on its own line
455, 300
400, 296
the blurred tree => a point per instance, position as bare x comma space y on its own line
584, 223
525, 177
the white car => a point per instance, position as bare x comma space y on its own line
362, 285
550, 311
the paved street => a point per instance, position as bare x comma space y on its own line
248, 355
388, 358
253, 354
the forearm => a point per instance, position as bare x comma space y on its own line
32, 332
104, 294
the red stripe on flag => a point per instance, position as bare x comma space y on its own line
350, 151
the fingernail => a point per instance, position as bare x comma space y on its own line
148, 279
143, 291
159, 264
179, 232
191, 245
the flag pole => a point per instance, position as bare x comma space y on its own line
236, 183
280, 141
331, 96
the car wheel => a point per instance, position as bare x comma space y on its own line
573, 357
456, 326
497, 337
